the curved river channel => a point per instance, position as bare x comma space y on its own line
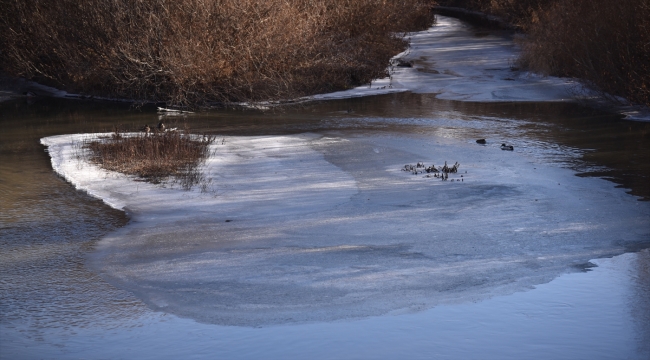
311, 242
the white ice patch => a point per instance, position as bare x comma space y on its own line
244, 178
307, 228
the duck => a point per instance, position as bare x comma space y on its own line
481, 141
507, 147
161, 126
146, 129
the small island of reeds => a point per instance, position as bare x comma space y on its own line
154, 157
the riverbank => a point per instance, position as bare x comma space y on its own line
457, 62
461, 62
603, 44
12, 88
200, 53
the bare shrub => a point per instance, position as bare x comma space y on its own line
153, 157
605, 43
200, 51
521, 13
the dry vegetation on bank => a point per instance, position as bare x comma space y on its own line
521, 13
201, 51
153, 157
197, 52
604, 43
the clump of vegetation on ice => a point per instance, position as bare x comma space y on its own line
153, 156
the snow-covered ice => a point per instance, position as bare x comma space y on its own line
319, 227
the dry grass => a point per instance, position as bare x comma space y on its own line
153, 157
195, 52
605, 43
520, 13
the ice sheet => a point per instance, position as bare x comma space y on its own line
317, 228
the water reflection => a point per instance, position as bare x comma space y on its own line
46, 227
603, 144
591, 141
638, 299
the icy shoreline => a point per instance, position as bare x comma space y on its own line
449, 60
456, 62
319, 228
453, 61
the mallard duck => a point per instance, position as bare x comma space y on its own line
146, 129
481, 141
161, 126
507, 147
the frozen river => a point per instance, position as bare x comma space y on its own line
310, 240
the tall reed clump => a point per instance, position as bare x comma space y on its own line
605, 43
153, 156
195, 52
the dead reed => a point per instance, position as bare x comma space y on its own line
520, 13
197, 52
153, 157
604, 43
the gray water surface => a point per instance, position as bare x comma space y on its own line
53, 306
